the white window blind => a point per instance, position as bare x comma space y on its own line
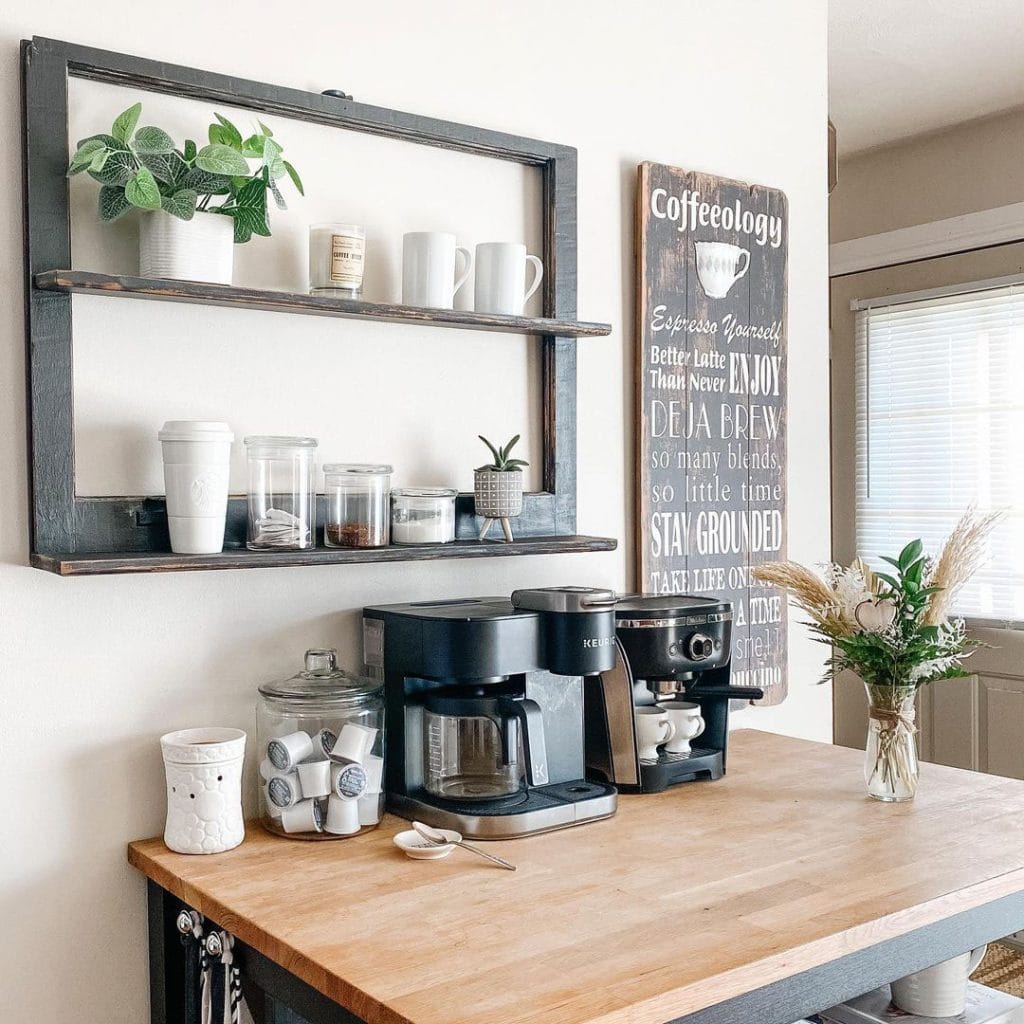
940, 426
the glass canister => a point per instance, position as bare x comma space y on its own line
320, 744
358, 513
282, 492
423, 515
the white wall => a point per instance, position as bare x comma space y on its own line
93, 670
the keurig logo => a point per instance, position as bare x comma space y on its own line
599, 641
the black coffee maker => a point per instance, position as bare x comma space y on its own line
668, 648
484, 708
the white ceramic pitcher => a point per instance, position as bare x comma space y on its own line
939, 991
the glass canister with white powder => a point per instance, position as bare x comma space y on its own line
423, 515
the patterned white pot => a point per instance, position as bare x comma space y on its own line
204, 789
498, 495
200, 249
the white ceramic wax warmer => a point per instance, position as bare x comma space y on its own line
204, 789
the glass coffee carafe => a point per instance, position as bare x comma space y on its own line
482, 747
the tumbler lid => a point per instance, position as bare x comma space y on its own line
195, 430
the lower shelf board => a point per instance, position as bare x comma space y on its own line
109, 563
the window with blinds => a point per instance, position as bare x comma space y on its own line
940, 426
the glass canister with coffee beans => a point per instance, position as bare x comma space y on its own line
320, 738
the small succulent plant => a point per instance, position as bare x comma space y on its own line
502, 463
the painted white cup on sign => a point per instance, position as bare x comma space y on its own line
653, 729
500, 284
428, 269
719, 266
686, 718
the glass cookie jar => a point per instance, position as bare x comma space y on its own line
320, 744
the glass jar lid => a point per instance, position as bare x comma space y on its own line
321, 683
274, 445
357, 468
424, 492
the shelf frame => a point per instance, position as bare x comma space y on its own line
63, 522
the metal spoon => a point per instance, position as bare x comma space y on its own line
436, 838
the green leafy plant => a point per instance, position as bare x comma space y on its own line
502, 463
141, 168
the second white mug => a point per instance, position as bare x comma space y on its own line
500, 285
689, 724
428, 269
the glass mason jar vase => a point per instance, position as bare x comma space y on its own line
320, 748
890, 758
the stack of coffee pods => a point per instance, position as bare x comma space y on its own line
324, 782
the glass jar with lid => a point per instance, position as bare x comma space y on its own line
358, 498
423, 515
282, 492
320, 744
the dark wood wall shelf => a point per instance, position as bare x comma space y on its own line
87, 282
111, 563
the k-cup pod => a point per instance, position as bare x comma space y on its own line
374, 766
370, 808
305, 816
342, 817
314, 778
285, 752
273, 811
323, 743
267, 769
284, 791
354, 742
348, 781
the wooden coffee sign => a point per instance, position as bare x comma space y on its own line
711, 401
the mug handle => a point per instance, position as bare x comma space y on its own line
538, 276
703, 726
976, 957
671, 726
468, 257
744, 255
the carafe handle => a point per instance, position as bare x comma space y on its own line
527, 712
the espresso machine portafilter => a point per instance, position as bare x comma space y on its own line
484, 708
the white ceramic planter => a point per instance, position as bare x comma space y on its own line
498, 495
939, 991
204, 789
200, 249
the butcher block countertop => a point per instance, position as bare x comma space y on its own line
682, 901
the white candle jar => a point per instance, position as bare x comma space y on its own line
204, 789
337, 254
423, 515
336, 722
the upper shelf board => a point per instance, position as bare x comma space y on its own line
86, 282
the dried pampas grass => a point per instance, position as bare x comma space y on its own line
808, 590
962, 556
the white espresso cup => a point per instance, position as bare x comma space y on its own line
500, 283
719, 266
653, 728
686, 719
428, 269
197, 460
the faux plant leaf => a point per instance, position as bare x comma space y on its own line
206, 184
190, 150
231, 135
511, 445
253, 146
113, 203
271, 154
278, 198
250, 210
263, 128
99, 160
169, 168
888, 579
294, 175
910, 553
84, 154
124, 123
119, 169
142, 191
151, 139
182, 204
216, 135
220, 159
493, 450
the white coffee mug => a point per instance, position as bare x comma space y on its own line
500, 284
719, 266
939, 991
653, 729
685, 717
428, 269
197, 459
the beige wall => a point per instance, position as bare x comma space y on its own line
970, 167
94, 670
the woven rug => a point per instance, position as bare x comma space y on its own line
1003, 969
